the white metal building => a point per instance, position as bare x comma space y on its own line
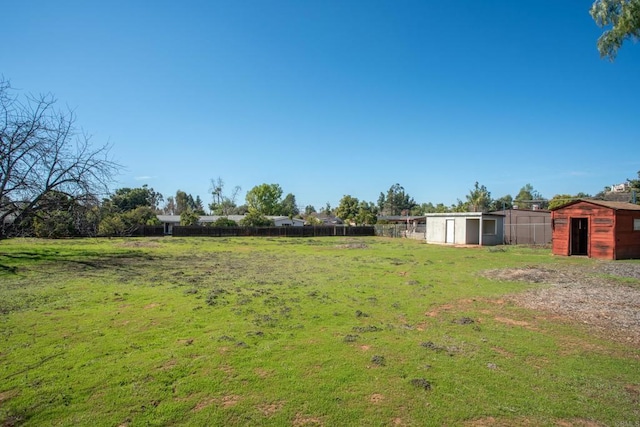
465, 228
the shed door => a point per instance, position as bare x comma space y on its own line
449, 236
579, 236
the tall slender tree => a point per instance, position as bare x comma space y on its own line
478, 199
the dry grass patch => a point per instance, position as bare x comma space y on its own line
376, 398
268, 409
305, 420
511, 322
203, 404
140, 244
230, 400
6, 395
263, 373
526, 422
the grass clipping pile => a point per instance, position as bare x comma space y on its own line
606, 297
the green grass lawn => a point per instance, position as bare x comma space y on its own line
260, 331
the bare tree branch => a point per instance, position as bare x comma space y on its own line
42, 151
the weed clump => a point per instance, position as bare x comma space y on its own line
421, 383
265, 320
432, 346
464, 321
351, 338
370, 328
214, 294
361, 314
378, 360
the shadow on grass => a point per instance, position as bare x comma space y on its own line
85, 259
7, 269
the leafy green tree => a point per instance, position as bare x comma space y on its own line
559, 200
478, 199
223, 221
634, 184
182, 202
396, 201
54, 224
185, 202
441, 208
59, 215
125, 223
265, 199
256, 219
622, 17
528, 197
426, 208
198, 207
112, 225
142, 215
367, 214
240, 210
459, 206
127, 199
308, 210
189, 217
288, 207
504, 202
312, 220
562, 199
347, 208
327, 210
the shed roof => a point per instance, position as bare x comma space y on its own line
606, 203
465, 214
400, 217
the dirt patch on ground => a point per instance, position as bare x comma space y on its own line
269, 409
203, 404
510, 422
303, 420
141, 244
6, 395
263, 373
230, 400
594, 296
352, 246
376, 398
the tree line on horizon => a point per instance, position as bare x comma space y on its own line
60, 215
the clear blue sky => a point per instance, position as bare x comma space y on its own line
336, 97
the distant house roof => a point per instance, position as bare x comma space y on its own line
175, 219
522, 212
464, 214
606, 203
400, 218
327, 219
203, 218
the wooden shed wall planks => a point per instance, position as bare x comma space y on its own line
611, 234
627, 239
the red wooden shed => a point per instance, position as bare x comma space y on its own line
597, 228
